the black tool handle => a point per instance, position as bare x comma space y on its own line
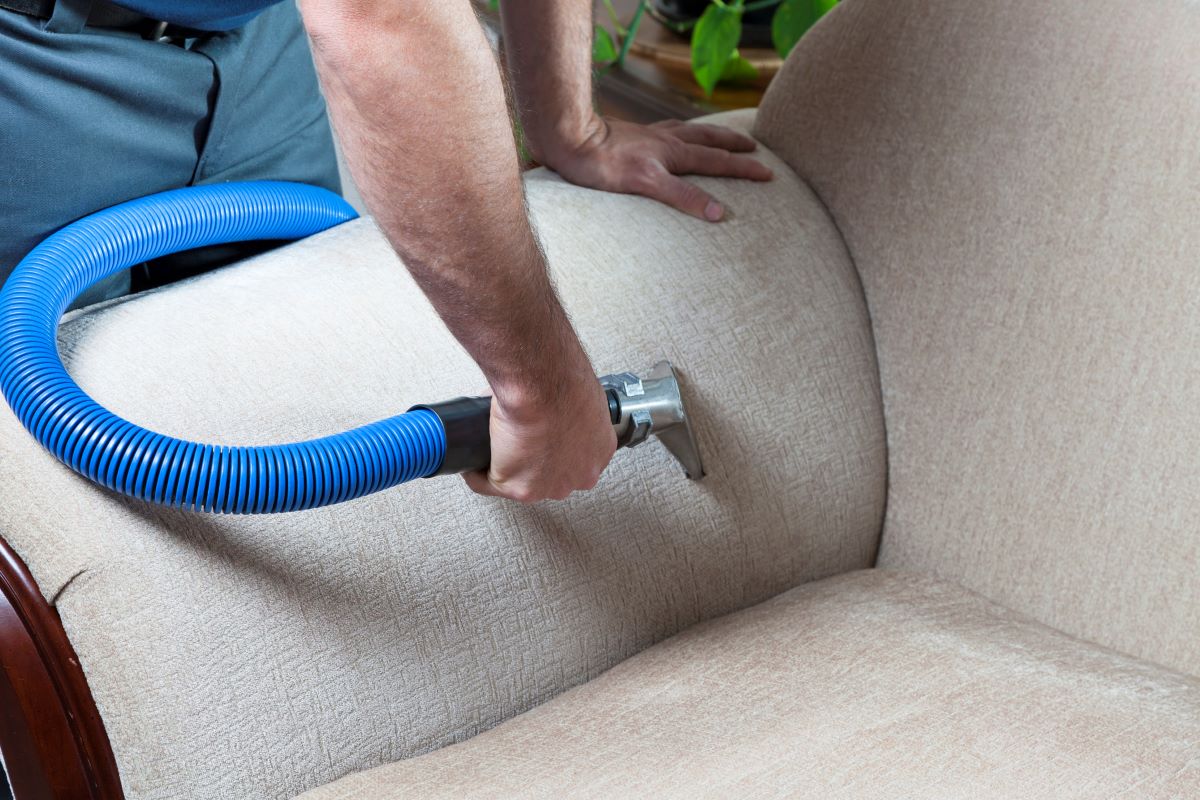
468, 443
468, 440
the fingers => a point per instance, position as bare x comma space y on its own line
546, 448
717, 162
659, 183
481, 483
682, 195
710, 149
712, 136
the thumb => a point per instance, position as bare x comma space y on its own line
480, 483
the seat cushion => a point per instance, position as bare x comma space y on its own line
870, 684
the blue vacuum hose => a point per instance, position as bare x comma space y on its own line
140, 463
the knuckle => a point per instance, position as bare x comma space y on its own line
525, 496
685, 153
644, 176
590, 476
522, 493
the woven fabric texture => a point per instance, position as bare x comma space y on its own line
260, 657
868, 685
1019, 186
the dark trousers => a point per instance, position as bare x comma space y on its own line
90, 117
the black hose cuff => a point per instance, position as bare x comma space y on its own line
468, 441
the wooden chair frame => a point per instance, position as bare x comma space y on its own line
51, 735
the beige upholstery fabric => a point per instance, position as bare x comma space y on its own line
1018, 184
868, 685
259, 657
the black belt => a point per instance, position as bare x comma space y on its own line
109, 15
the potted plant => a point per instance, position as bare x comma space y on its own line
716, 28
680, 16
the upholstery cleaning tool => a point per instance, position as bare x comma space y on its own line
427, 440
638, 407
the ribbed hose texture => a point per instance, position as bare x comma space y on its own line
150, 466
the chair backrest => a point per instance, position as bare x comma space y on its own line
1018, 185
242, 657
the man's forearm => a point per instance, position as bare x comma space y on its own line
417, 101
416, 98
548, 49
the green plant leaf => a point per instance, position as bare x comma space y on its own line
714, 40
792, 19
739, 69
604, 49
493, 5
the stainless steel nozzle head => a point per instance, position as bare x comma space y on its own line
653, 406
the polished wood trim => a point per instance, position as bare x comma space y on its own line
52, 737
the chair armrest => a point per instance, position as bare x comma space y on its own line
51, 734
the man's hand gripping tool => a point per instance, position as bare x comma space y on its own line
638, 408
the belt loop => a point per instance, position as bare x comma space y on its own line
69, 16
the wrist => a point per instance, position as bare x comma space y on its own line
546, 391
565, 137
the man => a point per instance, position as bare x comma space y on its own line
101, 103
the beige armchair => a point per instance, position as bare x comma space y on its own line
944, 373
